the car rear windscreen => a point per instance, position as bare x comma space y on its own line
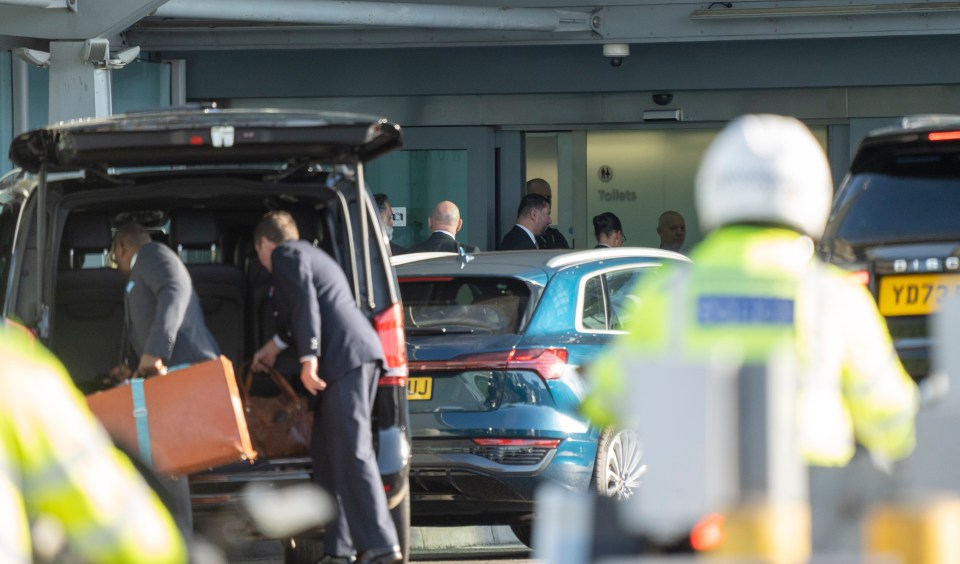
887, 208
462, 305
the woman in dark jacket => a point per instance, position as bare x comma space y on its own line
608, 230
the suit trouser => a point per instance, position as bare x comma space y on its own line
178, 487
346, 465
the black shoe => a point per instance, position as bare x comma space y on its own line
382, 555
330, 559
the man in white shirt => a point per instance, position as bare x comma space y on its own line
533, 218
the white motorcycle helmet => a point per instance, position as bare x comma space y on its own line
765, 169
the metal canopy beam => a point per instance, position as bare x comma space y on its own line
381, 14
635, 22
102, 18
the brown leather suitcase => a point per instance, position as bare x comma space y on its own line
191, 418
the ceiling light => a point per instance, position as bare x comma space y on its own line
824, 11
34, 57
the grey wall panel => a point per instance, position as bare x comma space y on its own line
576, 111
571, 68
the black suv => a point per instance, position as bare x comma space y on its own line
896, 224
200, 179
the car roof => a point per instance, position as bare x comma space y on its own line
919, 124
534, 266
206, 136
916, 134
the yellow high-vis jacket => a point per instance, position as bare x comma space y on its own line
57, 462
760, 290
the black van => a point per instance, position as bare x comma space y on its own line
200, 179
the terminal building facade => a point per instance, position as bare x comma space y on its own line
612, 104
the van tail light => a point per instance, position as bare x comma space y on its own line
860, 277
944, 136
389, 326
549, 363
708, 533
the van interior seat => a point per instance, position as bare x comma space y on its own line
88, 302
195, 236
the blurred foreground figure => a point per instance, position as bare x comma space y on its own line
57, 463
814, 369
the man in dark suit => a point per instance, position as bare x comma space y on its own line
551, 238
445, 222
386, 221
340, 355
533, 217
164, 322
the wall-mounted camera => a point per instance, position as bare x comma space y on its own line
616, 52
662, 98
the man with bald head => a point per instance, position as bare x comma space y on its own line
444, 222
551, 237
672, 230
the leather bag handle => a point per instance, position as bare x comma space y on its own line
247, 372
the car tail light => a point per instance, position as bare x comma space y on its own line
389, 326
860, 276
944, 136
548, 443
549, 363
514, 452
708, 533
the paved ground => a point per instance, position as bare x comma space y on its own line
429, 544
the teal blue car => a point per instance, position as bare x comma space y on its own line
497, 345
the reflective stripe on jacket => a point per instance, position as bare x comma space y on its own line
56, 461
759, 290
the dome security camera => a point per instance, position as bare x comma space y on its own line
616, 52
662, 98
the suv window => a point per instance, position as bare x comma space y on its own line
463, 305
607, 298
594, 312
912, 203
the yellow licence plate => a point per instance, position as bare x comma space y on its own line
916, 294
419, 388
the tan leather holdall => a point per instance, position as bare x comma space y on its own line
180, 423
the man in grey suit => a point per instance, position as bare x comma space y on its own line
164, 322
340, 358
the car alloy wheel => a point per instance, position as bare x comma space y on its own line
619, 464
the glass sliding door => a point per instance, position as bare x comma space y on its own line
436, 164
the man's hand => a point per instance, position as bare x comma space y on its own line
117, 375
264, 358
150, 366
308, 375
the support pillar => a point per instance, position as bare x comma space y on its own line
77, 88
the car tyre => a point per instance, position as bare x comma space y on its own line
401, 518
302, 551
619, 465
524, 534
